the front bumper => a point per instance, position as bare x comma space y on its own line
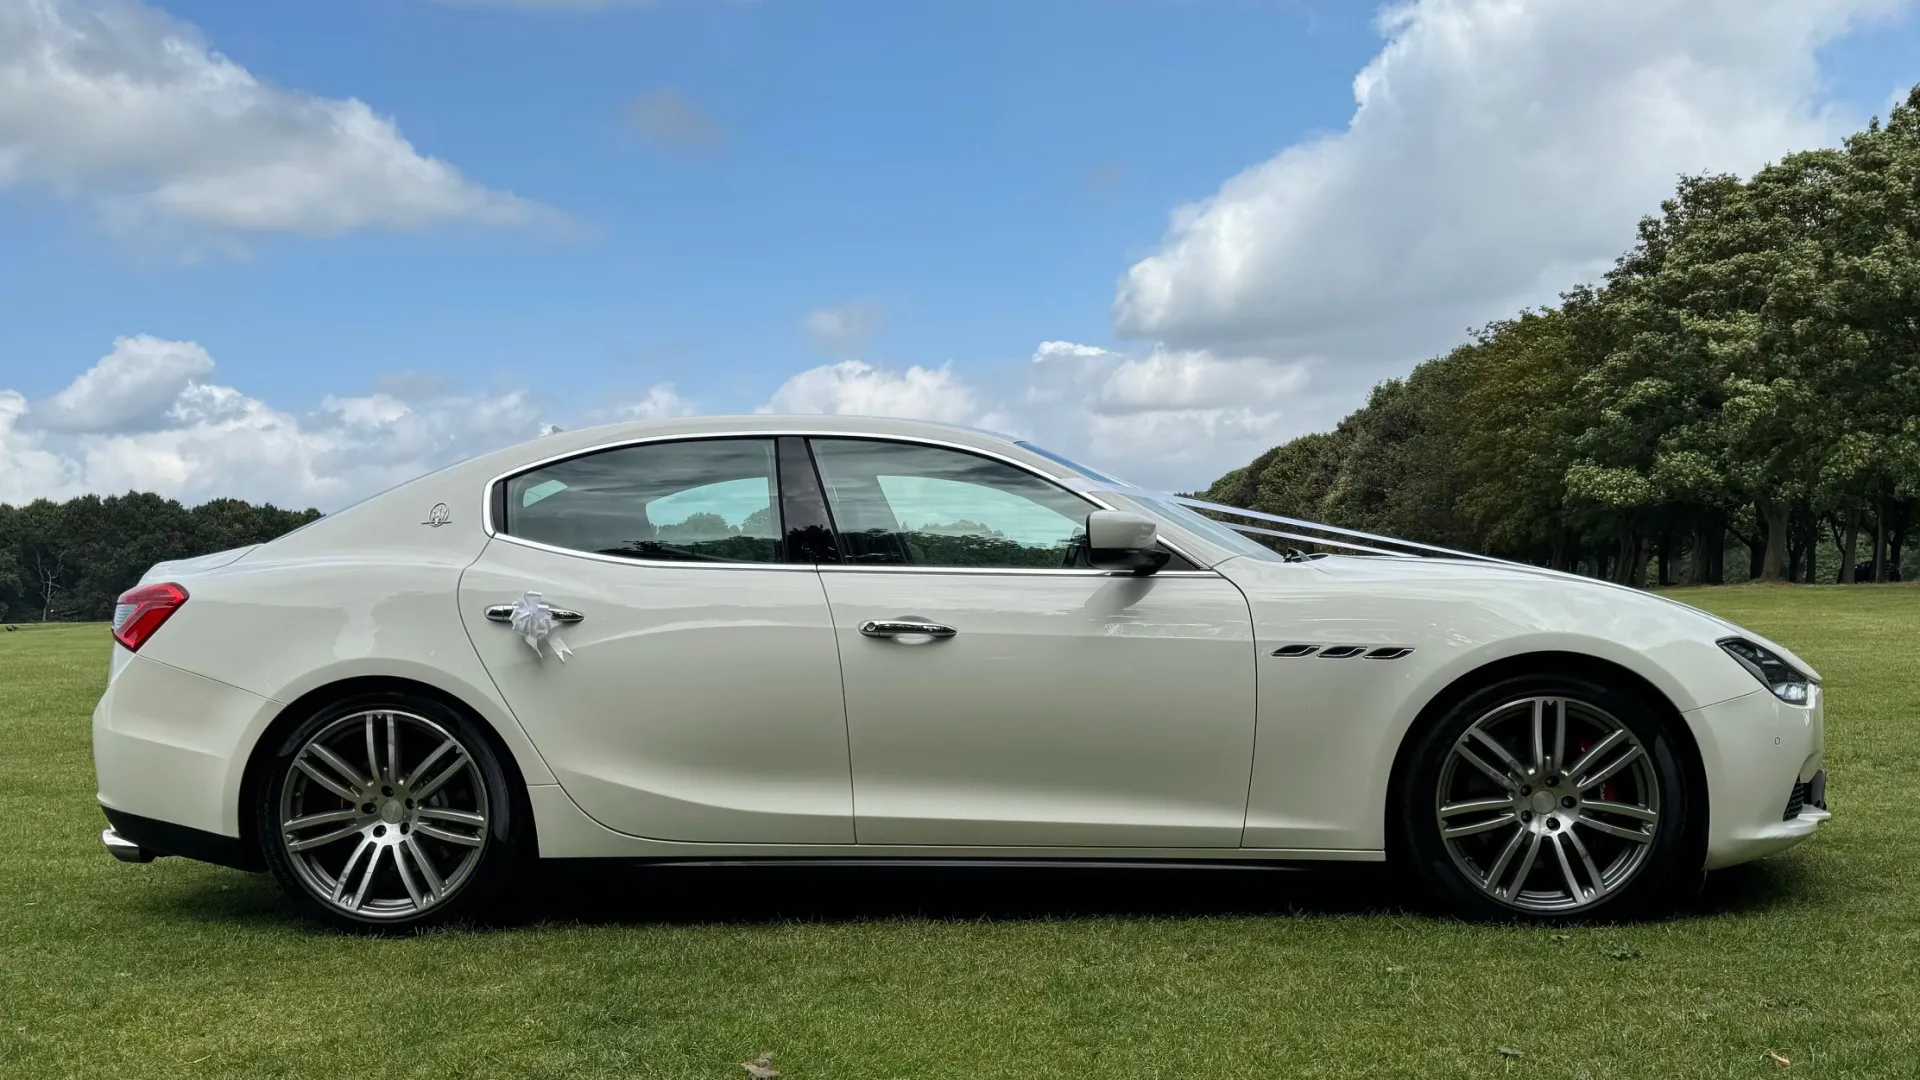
1760, 753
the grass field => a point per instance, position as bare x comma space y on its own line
183, 970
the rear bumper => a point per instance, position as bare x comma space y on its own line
141, 839
170, 746
1758, 752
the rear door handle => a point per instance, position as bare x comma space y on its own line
504, 613
905, 627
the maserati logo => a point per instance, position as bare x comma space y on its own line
438, 516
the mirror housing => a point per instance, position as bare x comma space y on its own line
1124, 542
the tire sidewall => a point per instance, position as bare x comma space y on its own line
482, 889
1655, 884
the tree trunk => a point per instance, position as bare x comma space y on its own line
1851, 547
1773, 513
1665, 576
1880, 541
1896, 540
1812, 573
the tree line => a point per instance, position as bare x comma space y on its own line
1747, 376
71, 560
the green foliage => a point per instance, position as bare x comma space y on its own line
71, 560
1750, 367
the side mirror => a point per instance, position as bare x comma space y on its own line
1126, 542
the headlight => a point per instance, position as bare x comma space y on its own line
1787, 682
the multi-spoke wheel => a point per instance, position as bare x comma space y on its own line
1546, 796
387, 812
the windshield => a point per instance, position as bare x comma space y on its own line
1207, 527
1187, 519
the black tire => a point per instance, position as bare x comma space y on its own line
402, 849
1485, 875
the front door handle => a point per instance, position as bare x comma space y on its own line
905, 628
504, 613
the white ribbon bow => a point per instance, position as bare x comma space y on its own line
532, 619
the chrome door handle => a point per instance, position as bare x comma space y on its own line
904, 627
504, 613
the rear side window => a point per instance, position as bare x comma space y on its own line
710, 500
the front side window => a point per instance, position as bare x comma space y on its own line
709, 500
902, 504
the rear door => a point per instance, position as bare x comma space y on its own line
702, 699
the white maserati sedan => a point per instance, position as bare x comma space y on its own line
781, 638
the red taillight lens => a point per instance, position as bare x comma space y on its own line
140, 612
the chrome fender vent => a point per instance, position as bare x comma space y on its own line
1344, 652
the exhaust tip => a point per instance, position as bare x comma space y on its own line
124, 849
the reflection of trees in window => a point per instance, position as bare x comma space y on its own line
706, 537
975, 549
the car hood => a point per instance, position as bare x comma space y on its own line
1476, 578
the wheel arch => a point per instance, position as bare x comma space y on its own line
273, 739
1581, 665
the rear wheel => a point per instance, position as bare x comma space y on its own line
1548, 797
388, 811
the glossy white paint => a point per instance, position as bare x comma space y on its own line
1067, 709
721, 712
700, 703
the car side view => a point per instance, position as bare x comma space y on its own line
725, 639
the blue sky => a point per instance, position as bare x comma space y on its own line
968, 211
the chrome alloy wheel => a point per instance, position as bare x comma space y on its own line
383, 814
1548, 804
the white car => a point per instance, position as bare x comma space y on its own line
816, 638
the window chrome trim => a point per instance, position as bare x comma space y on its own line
486, 510
622, 560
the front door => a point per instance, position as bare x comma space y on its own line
702, 698
1066, 707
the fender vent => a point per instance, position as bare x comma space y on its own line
1345, 652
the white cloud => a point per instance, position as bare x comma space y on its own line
660, 402
1501, 151
853, 388
1162, 418
129, 386
209, 440
845, 328
126, 110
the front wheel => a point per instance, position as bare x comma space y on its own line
388, 812
1547, 797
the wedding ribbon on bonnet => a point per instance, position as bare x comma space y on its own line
533, 620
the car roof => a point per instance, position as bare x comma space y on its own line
565, 443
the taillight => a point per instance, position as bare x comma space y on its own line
140, 612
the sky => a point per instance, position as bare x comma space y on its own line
305, 250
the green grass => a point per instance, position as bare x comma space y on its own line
180, 969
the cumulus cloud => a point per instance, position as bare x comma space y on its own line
853, 388
1501, 150
1163, 418
660, 402
129, 386
118, 106
105, 433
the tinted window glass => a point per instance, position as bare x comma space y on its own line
924, 506
705, 501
